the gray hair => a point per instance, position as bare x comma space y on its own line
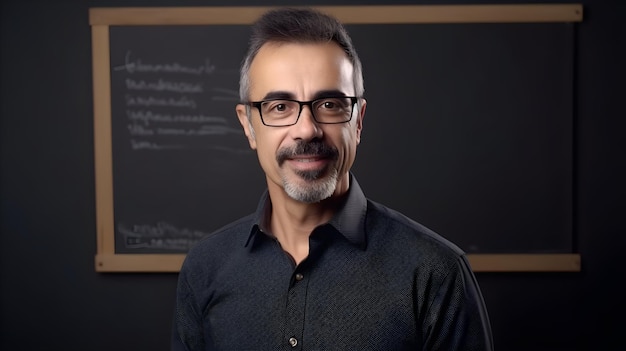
298, 25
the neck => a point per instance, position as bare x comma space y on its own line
293, 221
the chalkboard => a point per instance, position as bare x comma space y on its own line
469, 130
182, 165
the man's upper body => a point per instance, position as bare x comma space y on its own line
318, 267
373, 280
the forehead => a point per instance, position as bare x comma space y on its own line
301, 68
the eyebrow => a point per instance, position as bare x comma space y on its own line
328, 93
278, 95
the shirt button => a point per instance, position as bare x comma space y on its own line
299, 276
293, 342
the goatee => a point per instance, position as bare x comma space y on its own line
318, 184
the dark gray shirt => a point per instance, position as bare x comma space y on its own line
374, 280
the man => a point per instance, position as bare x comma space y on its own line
318, 266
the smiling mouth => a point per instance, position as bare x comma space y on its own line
306, 160
307, 152
309, 166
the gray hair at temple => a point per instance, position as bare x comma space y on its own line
298, 25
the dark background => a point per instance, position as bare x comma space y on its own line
469, 130
51, 298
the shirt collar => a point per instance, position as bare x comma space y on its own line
349, 220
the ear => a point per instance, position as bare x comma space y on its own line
359, 121
246, 124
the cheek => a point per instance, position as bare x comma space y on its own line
348, 142
266, 149
351, 138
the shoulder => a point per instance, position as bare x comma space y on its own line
388, 229
220, 244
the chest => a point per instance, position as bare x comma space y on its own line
341, 299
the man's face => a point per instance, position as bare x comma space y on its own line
309, 160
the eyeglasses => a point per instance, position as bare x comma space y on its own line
286, 112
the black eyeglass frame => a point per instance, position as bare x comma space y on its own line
258, 104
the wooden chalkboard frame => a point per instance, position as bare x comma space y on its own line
101, 19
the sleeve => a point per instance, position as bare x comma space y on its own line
187, 326
457, 317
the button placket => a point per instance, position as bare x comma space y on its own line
296, 305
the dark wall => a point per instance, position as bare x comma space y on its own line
52, 299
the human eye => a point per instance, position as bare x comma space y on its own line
278, 108
332, 105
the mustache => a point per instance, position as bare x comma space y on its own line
316, 148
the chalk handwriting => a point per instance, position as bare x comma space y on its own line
139, 145
164, 85
149, 101
204, 131
136, 65
165, 104
147, 145
147, 117
137, 129
162, 235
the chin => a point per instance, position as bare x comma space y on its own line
311, 188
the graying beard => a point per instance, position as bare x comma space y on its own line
310, 175
314, 193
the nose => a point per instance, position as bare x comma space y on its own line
306, 128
